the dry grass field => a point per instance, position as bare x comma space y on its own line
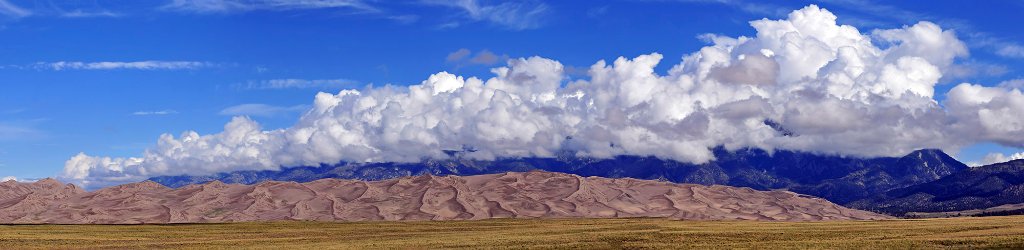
985, 232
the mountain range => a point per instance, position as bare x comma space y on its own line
920, 182
534, 194
974, 188
839, 179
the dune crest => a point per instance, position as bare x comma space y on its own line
534, 194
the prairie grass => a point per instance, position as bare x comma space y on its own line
975, 232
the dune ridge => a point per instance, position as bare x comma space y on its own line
534, 194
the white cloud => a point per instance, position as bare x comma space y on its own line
1013, 84
483, 57
997, 45
88, 14
486, 57
987, 113
302, 84
257, 109
877, 13
515, 15
159, 112
138, 65
66, 9
404, 19
1011, 50
18, 131
831, 85
993, 158
22, 180
755, 68
926, 40
458, 55
597, 11
448, 25
13, 11
227, 6
753, 7
964, 70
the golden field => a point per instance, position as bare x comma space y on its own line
982, 232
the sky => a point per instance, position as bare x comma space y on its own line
87, 88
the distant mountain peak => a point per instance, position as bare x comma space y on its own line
930, 152
48, 182
779, 128
929, 164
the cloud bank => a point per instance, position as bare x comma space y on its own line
802, 83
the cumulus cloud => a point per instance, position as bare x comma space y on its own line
138, 65
259, 109
755, 68
801, 83
988, 113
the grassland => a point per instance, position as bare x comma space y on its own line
984, 232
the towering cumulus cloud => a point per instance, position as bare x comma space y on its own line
804, 83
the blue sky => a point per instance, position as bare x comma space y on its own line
108, 77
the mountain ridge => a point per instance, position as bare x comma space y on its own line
975, 188
836, 178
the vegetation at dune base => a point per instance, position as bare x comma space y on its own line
967, 232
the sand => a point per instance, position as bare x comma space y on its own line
534, 194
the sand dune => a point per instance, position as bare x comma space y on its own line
508, 195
